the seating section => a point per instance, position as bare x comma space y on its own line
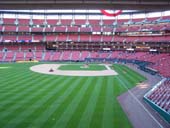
104, 54
10, 28
12, 47
162, 64
84, 54
8, 38
39, 47
38, 38
66, 55
36, 29
29, 56
95, 38
62, 37
107, 38
23, 29
50, 29
56, 56
47, 56
38, 56
1, 56
9, 56
75, 55
26, 47
161, 96
23, 39
72, 37
159, 62
72, 29
51, 38
19, 56
84, 38
94, 55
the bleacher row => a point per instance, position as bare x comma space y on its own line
160, 62
161, 96
45, 30
96, 28
85, 25
77, 22
15, 21
83, 38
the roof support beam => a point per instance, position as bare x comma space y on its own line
86, 4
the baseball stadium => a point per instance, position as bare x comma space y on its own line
85, 64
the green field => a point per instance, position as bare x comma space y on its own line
91, 67
32, 100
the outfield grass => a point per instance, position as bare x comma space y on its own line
80, 67
32, 100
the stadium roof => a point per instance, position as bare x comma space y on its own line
157, 5
68, 12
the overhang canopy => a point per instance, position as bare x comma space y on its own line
157, 5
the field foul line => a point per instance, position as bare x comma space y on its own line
108, 68
142, 106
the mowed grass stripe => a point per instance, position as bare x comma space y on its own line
50, 122
88, 113
108, 116
76, 67
12, 73
125, 75
61, 103
16, 83
132, 74
131, 71
21, 85
121, 79
57, 100
117, 88
18, 107
12, 81
76, 117
129, 78
42, 99
14, 95
9, 99
97, 117
7, 72
5, 78
71, 108
120, 120
44, 104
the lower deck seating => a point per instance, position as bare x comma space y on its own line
19, 56
29, 56
160, 62
1, 56
9, 57
47, 56
56, 56
38, 56
161, 96
75, 55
